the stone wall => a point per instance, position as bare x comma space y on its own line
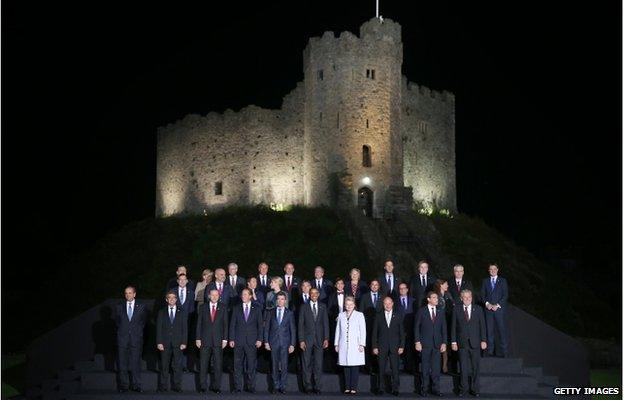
353, 95
428, 131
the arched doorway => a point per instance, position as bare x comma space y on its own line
365, 201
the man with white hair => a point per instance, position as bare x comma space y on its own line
458, 283
238, 283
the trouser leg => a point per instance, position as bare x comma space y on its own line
317, 354
251, 358
394, 364
239, 355
217, 371
204, 363
177, 367
475, 360
306, 367
136, 349
435, 370
464, 362
123, 353
499, 317
165, 360
489, 324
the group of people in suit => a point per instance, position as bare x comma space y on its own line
379, 325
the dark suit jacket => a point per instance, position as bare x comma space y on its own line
283, 334
332, 305
209, 332
241, 283
498, 295
294, 286
385, 289
417, 291
430, 334
408, 314
189, 301
468, 334
130, 331
326, 289
362, 288
168, 333
313, 331
260, 295
226, 295
454, 290
266, 288
384, 337
173, 282
246, 333
367, 307
296, 303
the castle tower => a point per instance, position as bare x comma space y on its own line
352, 139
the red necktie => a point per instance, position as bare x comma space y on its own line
433, 315
213, 314
466, 314
220, 289
288, 283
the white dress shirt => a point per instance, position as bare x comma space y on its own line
388, 317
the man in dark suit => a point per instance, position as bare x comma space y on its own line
226, 293
335, 302
246, 338
236, 282
290, 281
494, 294
389, 282
421, 283
430, 341
388, 343
130, 318
468, 336
313, 335
324, 286
280, 338
370, 304
186, 302
171, 340
302, 298
458, 283
264, 279
186, 296
405, 304
212, 335
173, 282
257, 295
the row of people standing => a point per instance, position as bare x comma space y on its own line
225, 293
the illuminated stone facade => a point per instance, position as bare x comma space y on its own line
354, 124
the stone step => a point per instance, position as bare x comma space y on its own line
550, 380
535, 372
498, 365
68, 375
490, 383
86, 366
98, 395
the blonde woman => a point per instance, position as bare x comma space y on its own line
207, 277
271, 297
350, 343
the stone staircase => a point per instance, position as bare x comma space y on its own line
500, 379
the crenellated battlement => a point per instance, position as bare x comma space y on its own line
354, 113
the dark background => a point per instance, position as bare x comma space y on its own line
538, 98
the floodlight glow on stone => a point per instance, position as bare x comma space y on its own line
366, 180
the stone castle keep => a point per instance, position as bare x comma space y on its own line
355, 132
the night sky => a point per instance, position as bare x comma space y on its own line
538, 98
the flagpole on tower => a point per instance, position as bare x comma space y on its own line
376, 8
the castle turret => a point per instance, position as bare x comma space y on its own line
352, 141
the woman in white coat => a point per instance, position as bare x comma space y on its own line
350, 343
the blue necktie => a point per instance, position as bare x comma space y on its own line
279, 316
129, 312
171, 316
404, 303
493, 283
375, 299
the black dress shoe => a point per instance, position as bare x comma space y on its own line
162, 389
461, 394
122, 390
473, 393
236, 391
437, 394
395, 393
177, 389
137, 389
316, 391
217, 391
378, 392
202, 390
272, 391
422, 393
250, 390
282, 391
